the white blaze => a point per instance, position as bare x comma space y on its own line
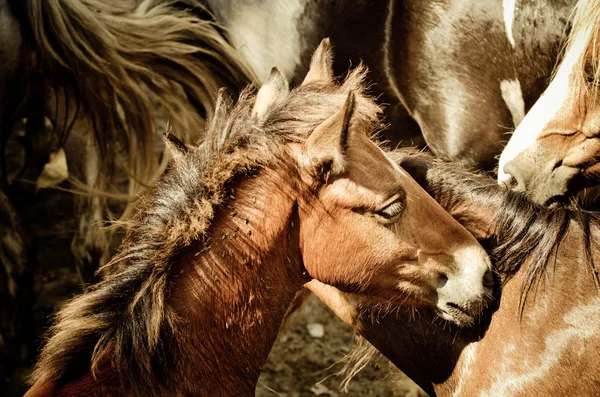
544, 109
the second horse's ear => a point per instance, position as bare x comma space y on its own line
273, 92
176, 147
326, 147
321, 64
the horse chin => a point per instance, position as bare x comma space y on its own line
456, 314
587, 198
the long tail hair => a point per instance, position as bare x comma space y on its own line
128, 65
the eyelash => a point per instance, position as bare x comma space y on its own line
391, 210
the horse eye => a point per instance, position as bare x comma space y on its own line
392, 210
590, 76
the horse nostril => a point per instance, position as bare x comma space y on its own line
508, 181
513, 176
488, 278
441, 280
557, 165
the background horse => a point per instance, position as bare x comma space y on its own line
553, 155
542, 335
86, 66
284, 188
431, 62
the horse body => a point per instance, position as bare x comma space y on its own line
432, 62
465, 55
553, 154
542, 336
284, 188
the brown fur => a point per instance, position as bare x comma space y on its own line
109, 322
216, 254
546, 260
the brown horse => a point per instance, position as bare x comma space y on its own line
285, 187
554, 153
541, 337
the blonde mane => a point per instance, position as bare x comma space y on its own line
130, 65
586, 26
124, 319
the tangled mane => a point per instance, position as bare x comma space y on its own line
128, 65
124, 320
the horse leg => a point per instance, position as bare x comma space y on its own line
38, 146
16, 288
91, 242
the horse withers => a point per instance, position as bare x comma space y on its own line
286, 187
553, 155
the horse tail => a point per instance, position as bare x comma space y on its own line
130, 66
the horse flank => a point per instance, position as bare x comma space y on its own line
124, 320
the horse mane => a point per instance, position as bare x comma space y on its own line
124, 320
128, 64
586, 25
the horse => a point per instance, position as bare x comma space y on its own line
285, 187
432, 63
541, 335
553, 154
86, 67
90, 72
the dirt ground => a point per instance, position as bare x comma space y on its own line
304, 361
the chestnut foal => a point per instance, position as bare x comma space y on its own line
286, 187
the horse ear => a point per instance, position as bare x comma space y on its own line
321, 64
326, 146
176, 148
273, 91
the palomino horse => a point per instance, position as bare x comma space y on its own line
432, 62
541, 337
285, 187
554, 153
88, 69
103, 72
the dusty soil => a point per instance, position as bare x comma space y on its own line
300, 364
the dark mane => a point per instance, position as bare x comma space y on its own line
522, 231
124, 320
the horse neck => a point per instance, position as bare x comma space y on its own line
423, 347
444, 360
233, 292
